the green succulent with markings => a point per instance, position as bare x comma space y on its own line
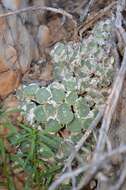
83, 72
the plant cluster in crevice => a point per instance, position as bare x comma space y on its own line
83, 72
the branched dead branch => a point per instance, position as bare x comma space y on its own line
94, 166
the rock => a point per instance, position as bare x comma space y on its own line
17, 46
9, 81
3, 67
43, 38
9, 78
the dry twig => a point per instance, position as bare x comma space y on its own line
88, 24
94, 166
37, 8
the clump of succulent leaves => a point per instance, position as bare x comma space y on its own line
83, 72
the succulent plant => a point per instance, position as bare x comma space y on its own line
82, 71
